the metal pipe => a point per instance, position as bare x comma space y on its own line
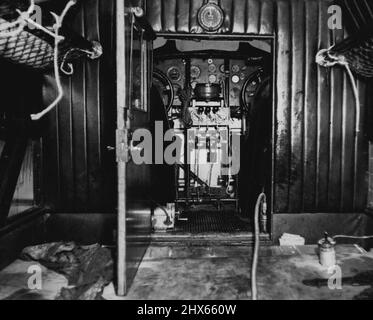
121, 125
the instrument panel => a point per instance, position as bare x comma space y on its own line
230, 74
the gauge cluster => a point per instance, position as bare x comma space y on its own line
206, 71
230, 74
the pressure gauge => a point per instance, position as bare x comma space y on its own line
212, 78
212, 68
235, 68
210, 17
235, 79
174, 74
222, 68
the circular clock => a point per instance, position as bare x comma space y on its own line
211, 17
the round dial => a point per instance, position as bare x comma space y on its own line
235, 79
174, 74
211, 17
212, 68
195, 72
235, 68
212, 78
222, 68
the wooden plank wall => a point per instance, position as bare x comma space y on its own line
79, 170
315, 167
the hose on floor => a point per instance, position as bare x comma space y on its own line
261, 203
340, 236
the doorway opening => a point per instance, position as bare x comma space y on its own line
216, 95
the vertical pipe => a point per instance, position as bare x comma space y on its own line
186, 142
121, 126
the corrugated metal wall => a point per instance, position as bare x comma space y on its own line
315, 169
79, 169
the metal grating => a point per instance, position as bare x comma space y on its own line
210, 221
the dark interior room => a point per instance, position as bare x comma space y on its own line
186, 150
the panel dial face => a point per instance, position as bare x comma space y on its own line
211, 17
174, 74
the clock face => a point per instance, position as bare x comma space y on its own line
211, 17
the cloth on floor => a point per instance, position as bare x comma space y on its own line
88, 268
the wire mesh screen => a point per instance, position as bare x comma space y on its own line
33, 47
26, 49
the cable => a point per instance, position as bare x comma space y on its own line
261, 199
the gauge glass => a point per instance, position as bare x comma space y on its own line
174, 74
